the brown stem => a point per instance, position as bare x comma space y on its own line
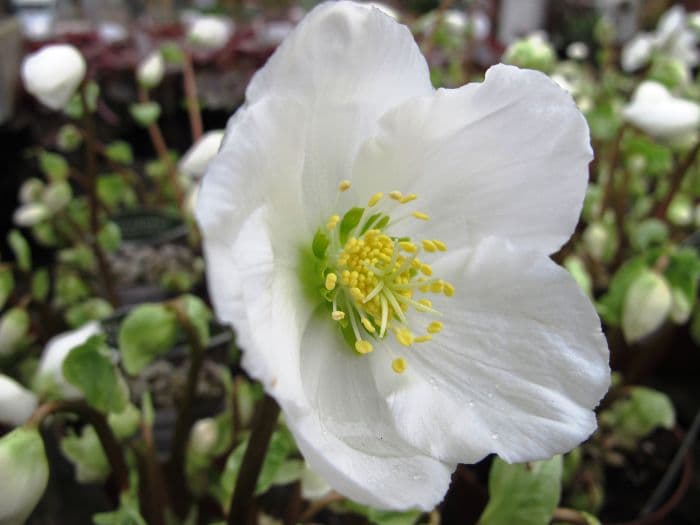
428, 41
609, 190
676, 181
91, 179
98, 421
318, 506
190, 86
155, 487
569, 516
242, 499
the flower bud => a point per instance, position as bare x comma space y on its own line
125, 423
57, 195
150, 72
31, 190
53, 73
30, 214
195, 161
532, 52
13, 326
681, 307
577, 51
596, 238
204, 436
16, 402
68, 138
25, 473
210, 32
680, 212
646, 306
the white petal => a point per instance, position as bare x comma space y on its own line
16, 402
151, 70
347, 64
210, 32
670, 24
636, 52
508, 157
53, 73
517, 369
195, 161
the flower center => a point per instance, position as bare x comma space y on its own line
371, 278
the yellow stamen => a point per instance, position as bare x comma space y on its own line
420, 215
396, 195
426, 302
408, 198
426, 269
357, 294
331, 279
437, 286
344, 185
375, 199
408, 246
405, 337
337, 315
440, 245
363, 347
368, 325
333, 221
399, 365
448, 289
423, 338
434, 327
429, 246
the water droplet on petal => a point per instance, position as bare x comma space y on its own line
494, 436
489, 395
471, 403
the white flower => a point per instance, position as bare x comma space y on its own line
195, 161
387, 10
515, 359
53, 73
577, 51
25, 473
210, 32
204, 436
646, 306
16, 402
637, 52
49, 376
313, 486
30, 214
656, 111
151, 70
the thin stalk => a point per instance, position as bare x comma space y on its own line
676, 181
93, 201
242, 499
109, 442
189, 82
155, 487
609, 190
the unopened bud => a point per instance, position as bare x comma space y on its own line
646, 306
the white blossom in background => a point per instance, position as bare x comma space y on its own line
196, 159
151, 70
49, 377
16, 402
209, 32
53, 73
388, 378
577, 51
30, 214
646, 306
660, 114
672, 37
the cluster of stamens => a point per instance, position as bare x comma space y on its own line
372, 278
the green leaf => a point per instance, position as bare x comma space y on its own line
109, 237
113, 190
125, 423
648, 302
53, 165
380, 517
635, 416
349, 221
41, 283
603, 121
199, 314
145, 113
86, 453
610, 305
20, 247
7, 284
90, 368
127, 514
526, 494
120, 152
74, 108
683, 273
320, 244
172, 53
653, 158
68, 138
14, 325
92, 309
648, 233
147, 332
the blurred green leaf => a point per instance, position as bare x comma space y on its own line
145, 113
127, 514
147, 332
199, 314
20, 248
41, 283
74, 108
7, 284
85, 451
640, 412
92, 309
610, 305
120, 152
53, 165
380, 517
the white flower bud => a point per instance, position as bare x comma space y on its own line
596, 239
210, 32
637, 52
151, 70
31, 190
646, 306
57, 195
195, 161
16, 402
30, 214
25, 473
532, 52
204, 436
654, 110
53, 73
577, 51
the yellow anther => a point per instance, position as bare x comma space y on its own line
408, 198
435, 327
448, 289
437, 286
426, 302
375, 199
420, 215
416, 263
408, 246
426, 269
429, 246
440, 245
396, 195
337, 315
344, 185
363, 347
333, 221
368, 325
405, 337
423, 338
331, 279
357, 294
398, 365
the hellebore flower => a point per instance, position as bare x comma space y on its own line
16, 402
660, 114
53, 73
150, 71
327, 216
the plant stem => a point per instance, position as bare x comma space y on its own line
676, 181
191, 98
609, 190
91, 179
569, 516
98, 421
242, 499
155, 487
